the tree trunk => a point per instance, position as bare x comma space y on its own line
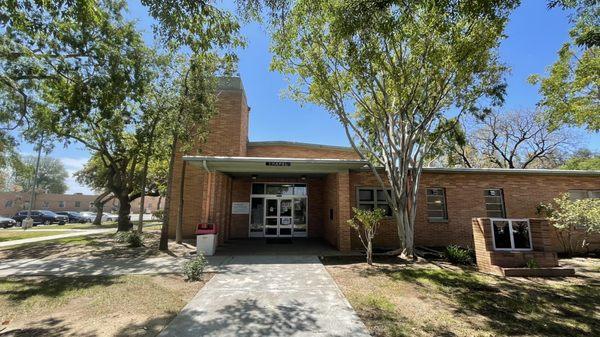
159, 202
179, 228
143, 195
99, 205
124, 223
370, 252
164, 233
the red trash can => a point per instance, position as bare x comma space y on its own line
207, 237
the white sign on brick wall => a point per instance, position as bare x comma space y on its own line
240, 207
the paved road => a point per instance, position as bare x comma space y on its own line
68, 234
268, 296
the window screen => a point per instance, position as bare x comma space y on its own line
436, 204
494, 203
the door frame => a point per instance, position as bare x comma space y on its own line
265, 197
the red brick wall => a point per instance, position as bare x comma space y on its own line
464, 198
294, 151
241, 193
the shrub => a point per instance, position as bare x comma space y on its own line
159, 214
459, 255
531, 263
194, 268
132, 238
365, 222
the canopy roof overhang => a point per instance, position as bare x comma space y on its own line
266, 165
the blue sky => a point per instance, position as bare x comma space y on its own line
534, 35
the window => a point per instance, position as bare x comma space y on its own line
436, 204
77, 204
494, 203
46, 204
584, 194
61, 204
511, 234
371, 198
8, 204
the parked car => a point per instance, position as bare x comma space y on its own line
6, 222
74, 217
41, 217
110, 217
89, 216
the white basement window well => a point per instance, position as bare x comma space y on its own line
511, 234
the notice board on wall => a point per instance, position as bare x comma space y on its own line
240, 207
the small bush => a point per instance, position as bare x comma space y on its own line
132, 238
459, 255
159, 214
194, 268
531, 264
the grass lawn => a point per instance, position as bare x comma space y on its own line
397, 299
132, 305
98, 245
9, 235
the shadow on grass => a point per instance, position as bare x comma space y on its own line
512, 306
149, 327
50, 327
20, 289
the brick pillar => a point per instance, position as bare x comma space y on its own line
344, 211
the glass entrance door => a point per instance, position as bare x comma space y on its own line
278, 217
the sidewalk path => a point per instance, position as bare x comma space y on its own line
268, 296
99, 266
70, 233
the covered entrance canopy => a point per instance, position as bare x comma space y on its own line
277, 197
276, 166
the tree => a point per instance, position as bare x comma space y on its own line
393, 77
583, 159
208, 35
573, 216
517, 139
51, 176
571, 89
95, 175
365, 222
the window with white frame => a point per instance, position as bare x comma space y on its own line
372, 198
511, 234
494, 203
436, 204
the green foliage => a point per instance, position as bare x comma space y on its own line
132, 238
365, 222
393, 76
570, 89
194, 268
532, 264
572, 216
159, 214
459, 255
583, 160
52, 175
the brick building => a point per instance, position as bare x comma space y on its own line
13, 202
287, 189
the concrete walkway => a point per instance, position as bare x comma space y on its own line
70, 233
268, 296
99, 266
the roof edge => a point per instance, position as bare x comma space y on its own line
300, 144
425, 169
